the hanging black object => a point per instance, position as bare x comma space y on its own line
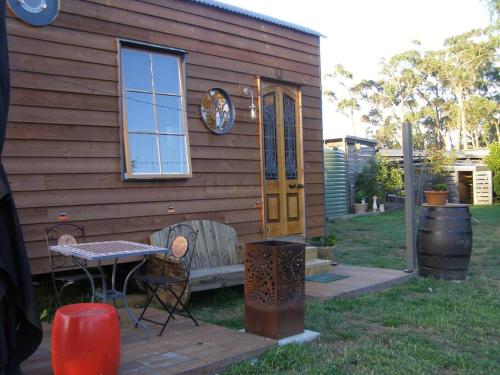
35, 12
20, 327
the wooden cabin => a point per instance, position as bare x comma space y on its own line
106, 124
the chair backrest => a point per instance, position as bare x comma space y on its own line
181, 245
217, 244
62, 234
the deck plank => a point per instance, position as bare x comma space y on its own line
183, 348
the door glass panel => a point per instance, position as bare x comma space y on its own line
270, 144
290, 137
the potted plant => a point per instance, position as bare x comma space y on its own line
437, 160
325, 246
360, 207
438, 195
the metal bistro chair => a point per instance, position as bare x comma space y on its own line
63, 270
181, 244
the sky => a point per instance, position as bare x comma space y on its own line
359, 33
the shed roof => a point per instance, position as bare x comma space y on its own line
259, 16
349, 138
462, 154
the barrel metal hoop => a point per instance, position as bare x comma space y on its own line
444, 231
440, 255
448, 218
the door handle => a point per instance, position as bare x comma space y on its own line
300, 186
296, 186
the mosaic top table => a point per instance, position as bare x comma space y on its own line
100, 251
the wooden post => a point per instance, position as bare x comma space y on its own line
409, 198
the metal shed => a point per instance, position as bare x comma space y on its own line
357, 152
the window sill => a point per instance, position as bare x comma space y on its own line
127, 177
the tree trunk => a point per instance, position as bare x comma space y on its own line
497, 127
353, 123
462, 143
475, 140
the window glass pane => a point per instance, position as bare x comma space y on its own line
169, 114
139, 109
136, 68
173, 154
144, 154
290, 137
166, 73
270, 146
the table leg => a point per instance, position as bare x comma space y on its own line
103, 277
113, 278
125, 301
91, 279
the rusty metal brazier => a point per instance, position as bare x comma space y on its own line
274, 288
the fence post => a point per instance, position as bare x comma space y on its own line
409, 198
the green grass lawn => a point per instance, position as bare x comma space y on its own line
422, 327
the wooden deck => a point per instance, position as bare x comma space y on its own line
360, 280
183, 348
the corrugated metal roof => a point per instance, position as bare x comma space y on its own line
261, 17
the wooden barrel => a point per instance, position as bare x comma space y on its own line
444, 242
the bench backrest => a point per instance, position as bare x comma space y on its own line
216, 245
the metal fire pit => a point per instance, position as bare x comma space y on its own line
274, 288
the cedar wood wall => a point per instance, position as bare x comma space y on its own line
63, 140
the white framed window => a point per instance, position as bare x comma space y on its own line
155, 134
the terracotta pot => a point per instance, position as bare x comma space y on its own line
436, 198
360, 208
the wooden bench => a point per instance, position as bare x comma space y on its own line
217, 261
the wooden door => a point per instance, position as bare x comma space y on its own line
483, 187
282, 159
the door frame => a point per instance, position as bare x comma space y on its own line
262, 84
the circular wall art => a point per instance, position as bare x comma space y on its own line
217, 111
35, 12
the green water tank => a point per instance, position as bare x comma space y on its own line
335, 183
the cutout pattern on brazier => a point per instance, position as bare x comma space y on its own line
291, 276
259, 284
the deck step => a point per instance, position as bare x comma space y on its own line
322, 252
311, 253
318, 266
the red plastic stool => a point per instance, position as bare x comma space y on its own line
86, 340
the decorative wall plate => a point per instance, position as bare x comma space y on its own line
217, 111
35, 12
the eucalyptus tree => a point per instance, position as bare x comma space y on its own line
344, 96
391, 100
436, 105
471, 67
